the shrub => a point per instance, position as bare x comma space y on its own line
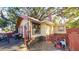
40, 38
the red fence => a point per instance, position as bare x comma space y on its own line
73, 38
8, 34
55, 37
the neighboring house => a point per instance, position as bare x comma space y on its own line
35, 28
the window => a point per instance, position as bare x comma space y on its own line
35, 28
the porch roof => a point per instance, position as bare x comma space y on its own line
20, 18
29, 18
47, 22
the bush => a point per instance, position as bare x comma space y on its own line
6, 29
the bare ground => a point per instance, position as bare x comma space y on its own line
40, 46
44, 46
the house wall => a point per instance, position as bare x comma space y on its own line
46, 29
56, 30
23, 22
52, 29
21, 27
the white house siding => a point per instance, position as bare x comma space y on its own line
21, 27
56, 30
52, 29
46, 29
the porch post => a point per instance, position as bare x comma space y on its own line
25, 38
29, 29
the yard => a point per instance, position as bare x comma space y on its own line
15, 44
44, 46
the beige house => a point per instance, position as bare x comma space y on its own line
35, 28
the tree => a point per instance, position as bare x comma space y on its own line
13, 12
72, 13
8, 15
40, 13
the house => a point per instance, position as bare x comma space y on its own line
33, 27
